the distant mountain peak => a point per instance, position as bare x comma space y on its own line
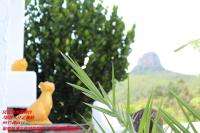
149, 62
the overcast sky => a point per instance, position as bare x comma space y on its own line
161, 27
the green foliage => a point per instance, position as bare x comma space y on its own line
100, 95
186, 109
142, 85
83, 30
195, 43
159, 84
123, 116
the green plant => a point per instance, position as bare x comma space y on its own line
100, 95
122, 114
195, 43
84, 30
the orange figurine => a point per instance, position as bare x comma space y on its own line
20, 65
41, 108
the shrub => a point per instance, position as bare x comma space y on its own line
83, 30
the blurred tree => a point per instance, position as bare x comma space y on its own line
83, 30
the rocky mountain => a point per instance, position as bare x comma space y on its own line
149, 62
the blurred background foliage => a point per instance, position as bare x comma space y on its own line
84, 30
159, 85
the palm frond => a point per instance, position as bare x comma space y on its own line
123, 113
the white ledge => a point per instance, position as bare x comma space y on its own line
21, 89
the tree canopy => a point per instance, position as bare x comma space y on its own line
84, 30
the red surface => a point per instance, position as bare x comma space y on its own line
40, 128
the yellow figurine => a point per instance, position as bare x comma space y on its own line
41, 108
20, 65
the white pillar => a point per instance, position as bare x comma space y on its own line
11, 43
18, 92
4, 13
15, 34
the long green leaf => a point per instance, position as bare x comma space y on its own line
80, 73
188, 118
145, 117
105, 95
130, 124
113, 87
83, 128
174, 121
128, 97
88, 84
148, 119
88, 123
99, 125
113, 131
87, 92
157, 127
187, 106
105, 111
170, 123
181, 47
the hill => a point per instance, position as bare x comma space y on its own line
143, 84
149, 62
150, 77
